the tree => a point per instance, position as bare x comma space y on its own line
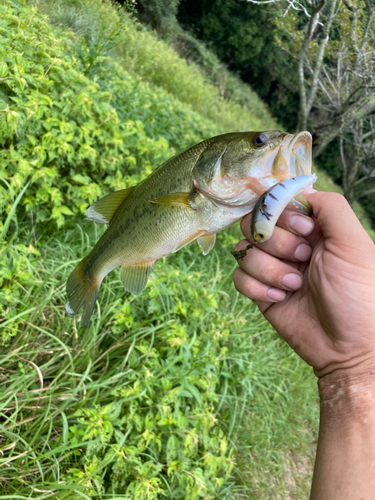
335, 50
347, 81
337, 38
357, 150
242, 35
345, 103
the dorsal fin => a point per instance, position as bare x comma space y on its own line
104, 209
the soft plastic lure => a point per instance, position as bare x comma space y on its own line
268, 209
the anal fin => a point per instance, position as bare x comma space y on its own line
134, 278
206, 242
104, 209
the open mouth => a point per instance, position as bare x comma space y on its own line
299, 154
294, 158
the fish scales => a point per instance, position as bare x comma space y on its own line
137, 216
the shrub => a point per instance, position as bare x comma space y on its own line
143, 54
74, 123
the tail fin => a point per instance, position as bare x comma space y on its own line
82, 293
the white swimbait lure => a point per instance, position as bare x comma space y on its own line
269, 207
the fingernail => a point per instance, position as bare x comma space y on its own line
276, 294
303, 252
301, 225
292, 281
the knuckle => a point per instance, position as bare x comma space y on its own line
331, 198
337, 199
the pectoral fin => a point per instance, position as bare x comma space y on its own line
206, 242
174, 200
189, 239
134, 278
104, 209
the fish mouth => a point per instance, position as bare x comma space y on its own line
291, 158
298, 154
300, 163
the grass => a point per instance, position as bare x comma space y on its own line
52, 369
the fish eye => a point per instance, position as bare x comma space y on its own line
260, 140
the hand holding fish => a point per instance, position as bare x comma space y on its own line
320, 304
314, 281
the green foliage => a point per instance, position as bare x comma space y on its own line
159, 14
143, 54
229, 85
163, 411
182, 393
233, 27
158, 398
242, 35
71, 124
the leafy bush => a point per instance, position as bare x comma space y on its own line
74, 123
142, 53
160, 433
158, 397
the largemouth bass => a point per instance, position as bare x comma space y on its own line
192, 196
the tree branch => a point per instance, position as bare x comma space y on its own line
342, 121
304, 108
322, 49
365, 193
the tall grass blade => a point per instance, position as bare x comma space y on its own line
12, 211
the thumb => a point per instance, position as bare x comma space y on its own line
336, 219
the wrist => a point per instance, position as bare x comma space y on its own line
349, 389
345, 461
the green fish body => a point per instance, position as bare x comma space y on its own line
192, 196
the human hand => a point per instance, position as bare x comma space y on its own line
323, 305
